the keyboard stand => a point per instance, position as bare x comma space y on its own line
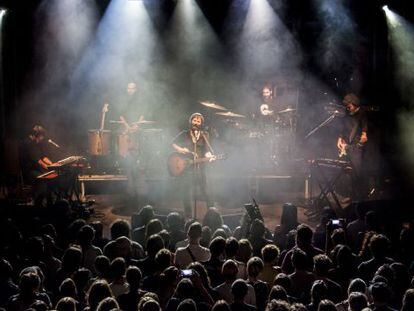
326, 182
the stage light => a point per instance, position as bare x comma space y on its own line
2, 12
393, 19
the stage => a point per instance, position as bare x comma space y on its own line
110, 207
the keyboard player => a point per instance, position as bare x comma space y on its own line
34, 161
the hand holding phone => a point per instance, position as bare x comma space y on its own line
187, 273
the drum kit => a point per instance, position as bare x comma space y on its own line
271, 135
282, 119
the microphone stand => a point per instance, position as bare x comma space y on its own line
195, 178
322, 124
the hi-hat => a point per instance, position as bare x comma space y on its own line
213, 105
230, 114
287, 110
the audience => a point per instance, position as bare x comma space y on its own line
239, 291
270, 255
117, 271
301, 279
49, 267
261, 289
229, 272
214, 264
193, 251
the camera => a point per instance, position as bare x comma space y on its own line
253, 211
186, 273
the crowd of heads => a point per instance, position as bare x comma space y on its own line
156, 263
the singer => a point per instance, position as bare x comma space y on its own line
193, 143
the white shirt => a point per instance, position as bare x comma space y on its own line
119, 288
89, 255
224, 291
182, 243
183, 257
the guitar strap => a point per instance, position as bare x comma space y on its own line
207, 142
353, 133
355, 127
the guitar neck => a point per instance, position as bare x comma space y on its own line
104, 111
102, 121
200, 160
207, 159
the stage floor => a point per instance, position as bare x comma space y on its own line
109, 207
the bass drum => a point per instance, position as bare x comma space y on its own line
125, 144
99, 142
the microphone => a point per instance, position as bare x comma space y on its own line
53, 143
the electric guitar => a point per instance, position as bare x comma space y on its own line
344, 147
177, 163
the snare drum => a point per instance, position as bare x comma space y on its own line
99, 142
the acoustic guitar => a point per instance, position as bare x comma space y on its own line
177, 163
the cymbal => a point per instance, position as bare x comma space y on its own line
152, 130
143, 122
287, 110
213, 105
230, 114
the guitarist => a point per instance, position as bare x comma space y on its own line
193, 143
353, 137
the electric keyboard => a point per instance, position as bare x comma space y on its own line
77, 161
48, 175
63, 167
333, 163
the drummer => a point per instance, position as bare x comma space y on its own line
132, 111
267, 110
132, 160
268, 101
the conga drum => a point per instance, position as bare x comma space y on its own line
125, 144
99, 142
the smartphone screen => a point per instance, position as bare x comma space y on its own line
186, 272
